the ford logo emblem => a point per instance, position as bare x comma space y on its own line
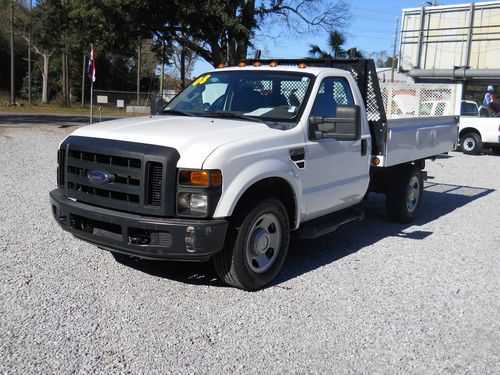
98, 176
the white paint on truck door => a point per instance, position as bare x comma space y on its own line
337, 174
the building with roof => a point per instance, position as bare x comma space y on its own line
458, 43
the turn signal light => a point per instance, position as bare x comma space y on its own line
375, 161
216, 178
200, 178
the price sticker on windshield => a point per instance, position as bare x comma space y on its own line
201, 80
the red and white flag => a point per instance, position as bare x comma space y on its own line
91, 66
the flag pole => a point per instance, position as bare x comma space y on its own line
92, 86
91, 102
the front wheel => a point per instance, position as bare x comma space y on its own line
256, 245
404, 195
471, 144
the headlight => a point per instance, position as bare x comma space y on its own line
198, 192
192, 204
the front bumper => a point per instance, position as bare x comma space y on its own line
141, 236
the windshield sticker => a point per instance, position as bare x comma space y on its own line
201, 80
259, 111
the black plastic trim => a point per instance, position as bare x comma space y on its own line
167, 156
189, 240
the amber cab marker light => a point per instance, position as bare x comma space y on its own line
242, 64
273, 64
257, 64
302, 66
375, 161
220, 66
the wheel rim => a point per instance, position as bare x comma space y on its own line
413, 194
264, 243
469, 144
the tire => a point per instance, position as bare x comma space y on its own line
256, 245
404, 195
471, 144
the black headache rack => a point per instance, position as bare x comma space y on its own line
365, 75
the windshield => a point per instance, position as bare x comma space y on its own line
253, 95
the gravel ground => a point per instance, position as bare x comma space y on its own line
375, 297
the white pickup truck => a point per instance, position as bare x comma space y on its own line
478, 131
240, 159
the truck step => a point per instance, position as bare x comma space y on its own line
329, 223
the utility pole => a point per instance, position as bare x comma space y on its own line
65, 67
162, 69
183, 66
83, 79
394, 49
12, 96
29, 55
138, 72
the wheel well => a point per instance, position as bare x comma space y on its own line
272, 187
381, 178
467, 131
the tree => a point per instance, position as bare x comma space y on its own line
46, 35
176, 53
222, 31
381, 58
5, 51
336, 41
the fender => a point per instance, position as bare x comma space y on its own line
260, 170
470, 129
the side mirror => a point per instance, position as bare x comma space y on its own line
345, 126
156, 104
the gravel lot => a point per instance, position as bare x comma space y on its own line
375, 297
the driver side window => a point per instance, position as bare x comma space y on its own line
333, 91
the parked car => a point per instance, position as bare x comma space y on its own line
477, 129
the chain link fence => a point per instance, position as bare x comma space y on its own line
121, 100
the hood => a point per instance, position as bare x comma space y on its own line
195, 138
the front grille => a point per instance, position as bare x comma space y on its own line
125, 172
155, 179
60, 167
125, 176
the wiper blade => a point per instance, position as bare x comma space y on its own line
175, 112
231, 115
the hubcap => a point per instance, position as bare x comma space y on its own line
264, 243
413, 194
469, 144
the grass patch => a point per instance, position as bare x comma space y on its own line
75, 109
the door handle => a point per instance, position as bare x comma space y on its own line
364, 147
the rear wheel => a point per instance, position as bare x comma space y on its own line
471, 144
404, 194
256, 245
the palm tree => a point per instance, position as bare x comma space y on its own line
336, 41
